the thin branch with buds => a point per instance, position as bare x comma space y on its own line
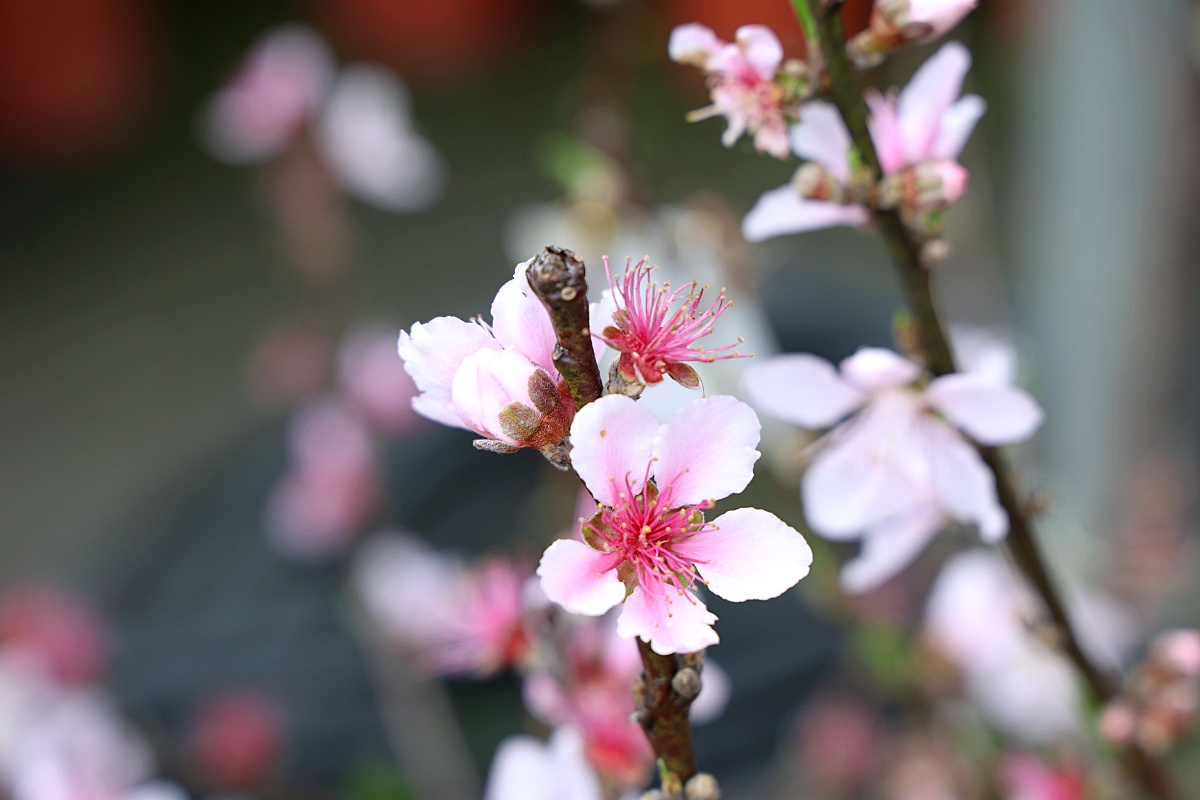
669, 684
906, 247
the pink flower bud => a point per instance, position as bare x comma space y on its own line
502, 395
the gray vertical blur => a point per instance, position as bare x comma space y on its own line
1107, 134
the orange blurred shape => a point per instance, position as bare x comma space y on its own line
725, 17
75, 78
440, 39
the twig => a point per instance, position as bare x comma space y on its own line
905, 250
669, 683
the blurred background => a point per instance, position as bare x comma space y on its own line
218, 216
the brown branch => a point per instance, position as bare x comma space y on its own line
904, 246
669, 684
559, 279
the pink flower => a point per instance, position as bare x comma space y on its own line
649, 543
918, 134
742, 79
456, 619
1161, 701
1026, 777
895, 23
654, 341
899, 469
275, 93
374, 380
497, 380
238, 739
525, 768
332, 486
63, 636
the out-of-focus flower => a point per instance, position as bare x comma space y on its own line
332, 487
654, 341
62, 635
898, 470
275, 93
359, 121
77, 747
1026, 777
237, 740
374, 380
591, 693
500, 380
918, 135
367, 137
649, 544
839, 742
290, 364
1161, 702
457, 620
742, 76
895, 23
979, 615
525, 768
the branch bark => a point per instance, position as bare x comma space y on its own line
904, 247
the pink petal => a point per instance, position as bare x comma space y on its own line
928, 97
670, 621
885, 132
821, 136
890, 546
956, 127
781, 211
693, 44
706, 450
941, 15
487, 382
521, 322
611, 441
964, 485
748, 554
873, 468
875, 368
761, 48
366, 136
991, 413
432, 353
802, 389
580, 579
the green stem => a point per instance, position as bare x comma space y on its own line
905, 249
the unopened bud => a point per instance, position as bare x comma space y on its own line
813, 182
702, 787
686, 683
934, 253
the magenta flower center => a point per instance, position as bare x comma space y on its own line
643, 532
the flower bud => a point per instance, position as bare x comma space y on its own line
895, 23
813, 182
502, 395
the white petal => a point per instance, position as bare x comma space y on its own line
669, 621
957, 124
991, 413
706, 450
521, 322
600, 316
781, 211
750, 555
821, 136
526, 769
965, 486
800, 388
874, 368
889, 547
928, 97
611, 441
367, 138
873, 468
432, 353
693, 44
580, 579
761, 48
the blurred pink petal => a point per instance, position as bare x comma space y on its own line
237, 740
802, 389
525, 768
782, 211
992, 413
273, 96
821, 136
62, 635
375, 382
